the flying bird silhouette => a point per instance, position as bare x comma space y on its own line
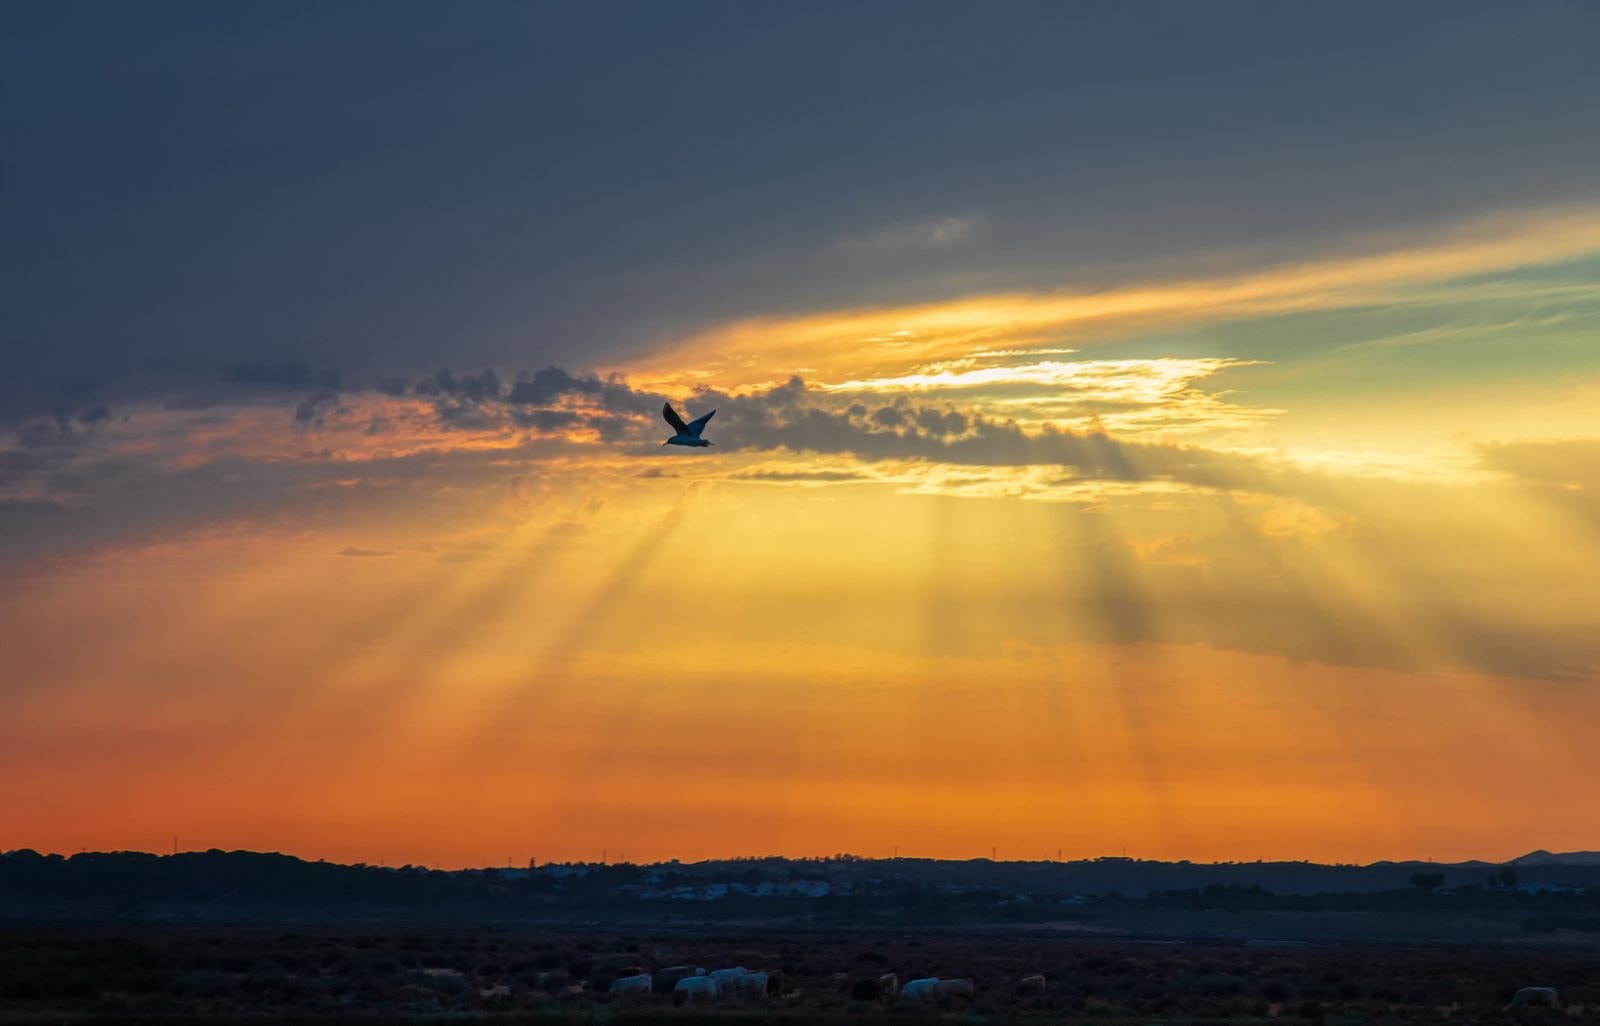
687, 434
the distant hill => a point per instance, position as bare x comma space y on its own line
1566, 858
256, 885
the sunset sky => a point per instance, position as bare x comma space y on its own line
1171, 426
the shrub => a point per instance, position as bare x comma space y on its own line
1276, 990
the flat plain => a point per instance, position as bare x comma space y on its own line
370, 973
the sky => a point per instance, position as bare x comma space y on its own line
1161, 426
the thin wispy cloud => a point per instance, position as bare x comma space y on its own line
934, 233
854, 343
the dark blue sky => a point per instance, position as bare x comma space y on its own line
388, 188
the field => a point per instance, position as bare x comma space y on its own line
369, 974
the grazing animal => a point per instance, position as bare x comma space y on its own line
639, 983
697, 988
919, 990
1535, 996
880, 988
753, 984
775, 982
1033, 984
687, 434
666, 979
726, 977
950, 990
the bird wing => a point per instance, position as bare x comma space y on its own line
698, 424
672, 418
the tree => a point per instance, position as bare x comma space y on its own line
1508, 876
1426, 881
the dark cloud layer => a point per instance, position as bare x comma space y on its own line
288, 374
797, 418
100, 493
191, 185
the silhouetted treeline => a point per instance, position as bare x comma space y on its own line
137, 884
848, 890
1563, 908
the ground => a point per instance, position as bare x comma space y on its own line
394, 973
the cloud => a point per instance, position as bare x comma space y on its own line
865, 343
472, 553
476, 388
546, 420
549, 400
452, 434
934, 233
314, 410
796, 418
1274, 577
548, 384
288, 374
447, 412
801, 476
1134, 396
1571, 464
1562, 474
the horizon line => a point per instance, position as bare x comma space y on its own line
622, 860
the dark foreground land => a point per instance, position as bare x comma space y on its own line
394, 973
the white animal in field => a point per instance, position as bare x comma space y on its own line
1535, 996
698, 988
946, 990
1033, 984
639, 984
667, 978
725, 977
753, 984
932, 988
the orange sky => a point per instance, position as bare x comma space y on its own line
1170, 427
719, 664
1298, 562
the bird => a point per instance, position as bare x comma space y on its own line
687, 434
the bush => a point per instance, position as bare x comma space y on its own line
1277, 991
1220, 985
